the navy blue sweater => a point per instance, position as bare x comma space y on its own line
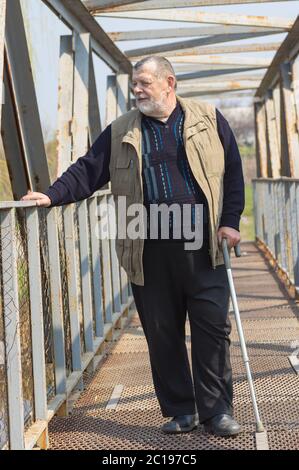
91, 172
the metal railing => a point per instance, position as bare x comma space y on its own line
62, 294
276, 212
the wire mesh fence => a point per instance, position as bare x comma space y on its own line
64, 291
24, 315
79, 277
3, 378
277, 222
48, 320
46, 298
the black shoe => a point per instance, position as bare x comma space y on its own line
184, 423
222, 425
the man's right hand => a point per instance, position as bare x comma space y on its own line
41, 199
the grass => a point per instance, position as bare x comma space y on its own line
247, 219
246, 151
5, 186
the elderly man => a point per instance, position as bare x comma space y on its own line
171, 150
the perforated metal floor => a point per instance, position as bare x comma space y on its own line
270, 322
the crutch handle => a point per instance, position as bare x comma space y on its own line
226, 252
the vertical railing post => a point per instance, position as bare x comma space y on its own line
271, 216
260, 129
85, 275
80, 147
94, 119
276, 220
56, 303
288, 232
105, 251
294, 231
114, 263
277, 114
68, 84
65, 103
296, 258
111, 99
72, 281
37, 328
12, 329
274, 157
282, 226
96, 266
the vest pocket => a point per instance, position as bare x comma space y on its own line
208, 145
122, 180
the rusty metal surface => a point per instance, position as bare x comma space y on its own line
271, 326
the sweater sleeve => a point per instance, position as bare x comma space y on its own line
88, 174
233, 183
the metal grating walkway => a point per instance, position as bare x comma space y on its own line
270, 322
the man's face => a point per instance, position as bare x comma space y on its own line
151, 92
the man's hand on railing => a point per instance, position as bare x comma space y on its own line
41, 199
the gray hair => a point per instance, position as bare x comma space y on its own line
163, 66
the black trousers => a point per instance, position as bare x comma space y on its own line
176, 282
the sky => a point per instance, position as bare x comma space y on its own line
44, 29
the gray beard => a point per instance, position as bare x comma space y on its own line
153, 109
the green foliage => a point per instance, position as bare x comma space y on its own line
247, 220
5, 186
247, 151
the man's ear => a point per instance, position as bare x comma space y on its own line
171, 82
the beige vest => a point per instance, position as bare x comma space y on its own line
206, 159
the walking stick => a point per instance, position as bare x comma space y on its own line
259, 424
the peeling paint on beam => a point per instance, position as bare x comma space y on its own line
218, 79
230, 49
190, 44
228, 95
104, 4
204, 17
232, 85
188, 32
220, 60
189, 68
96, 5
208, 91
211, 73
198, 51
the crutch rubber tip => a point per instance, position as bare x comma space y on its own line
260, 427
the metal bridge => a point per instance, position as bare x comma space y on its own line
74, 369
